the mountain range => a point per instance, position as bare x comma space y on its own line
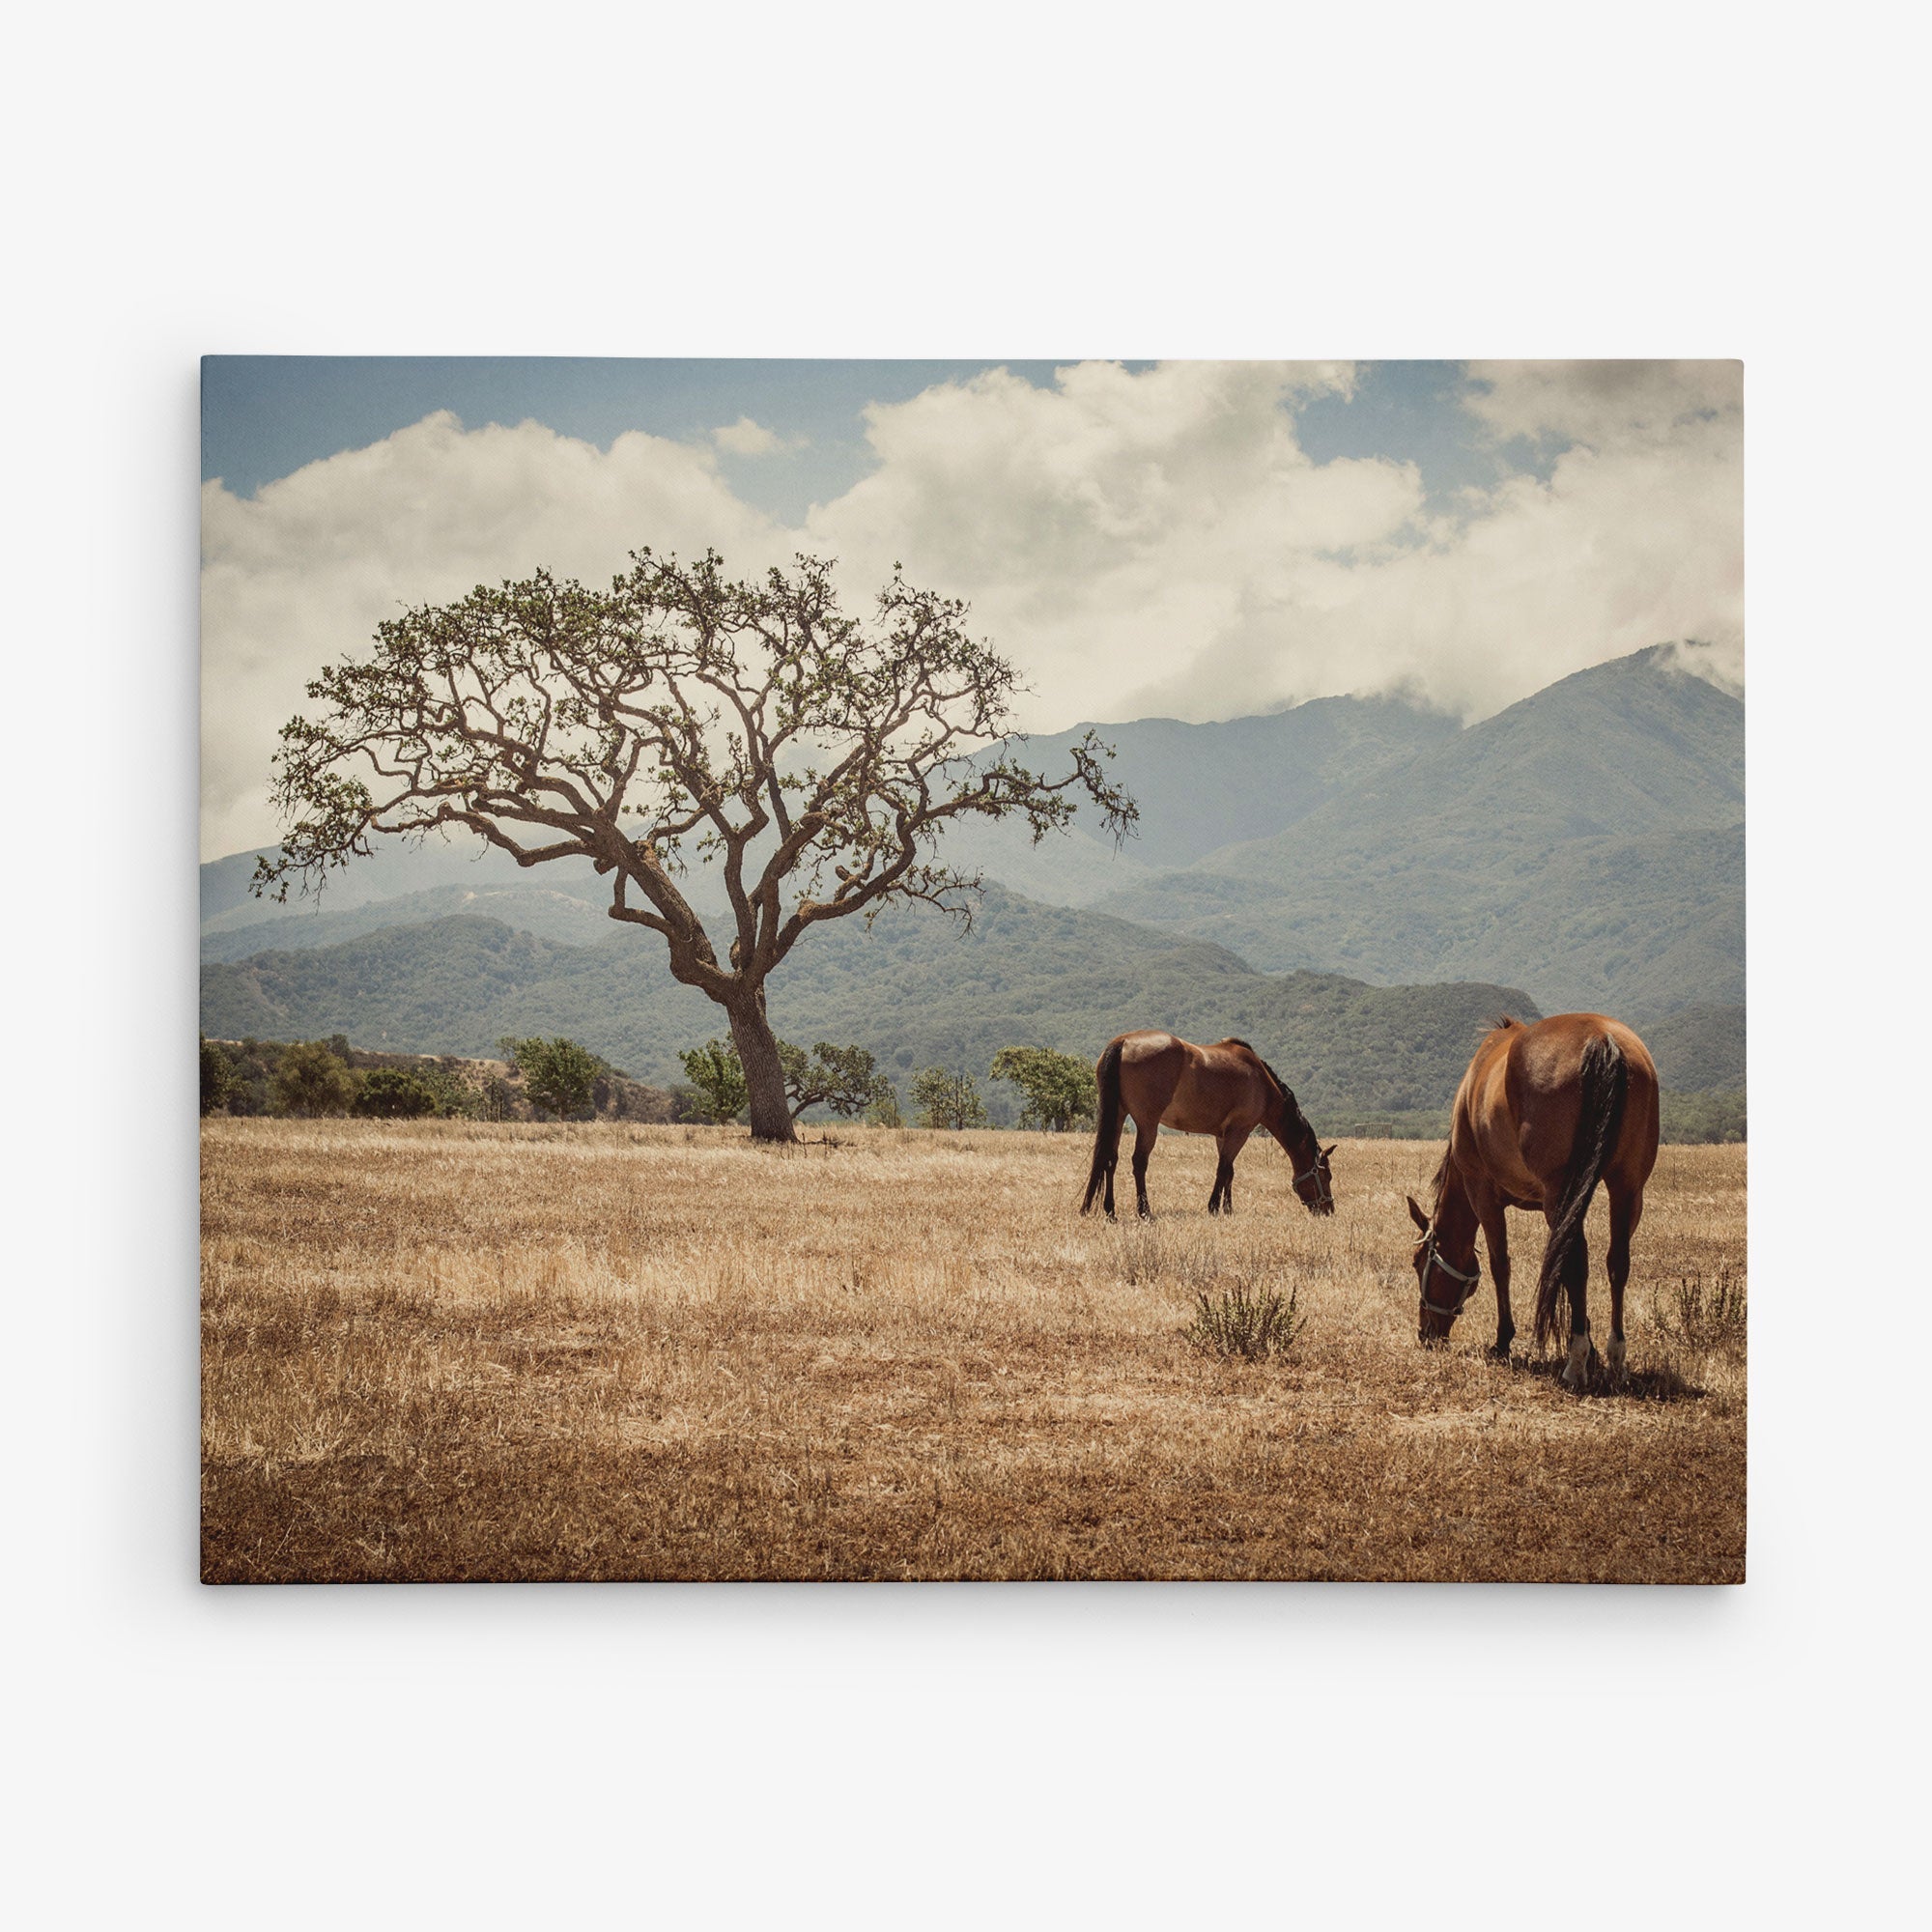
1339, 864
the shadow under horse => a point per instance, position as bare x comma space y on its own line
1543, 1112
1226, 1090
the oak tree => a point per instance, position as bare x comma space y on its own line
683, 717
947, 1099
1059, 1086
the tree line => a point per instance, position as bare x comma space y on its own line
559, 1079
541, 1079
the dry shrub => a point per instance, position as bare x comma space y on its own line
1700, 1315
1247, 1320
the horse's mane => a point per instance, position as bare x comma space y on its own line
1282, 1086
1437, 1182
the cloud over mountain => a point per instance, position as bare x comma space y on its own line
1155, 541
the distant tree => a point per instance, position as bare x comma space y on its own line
1059, 1086
499, 1098
558, 1074
813, 758
718, 1079
309, 1081
392, 1093
947, 1099
217, 1079
844, 1078
884, 1112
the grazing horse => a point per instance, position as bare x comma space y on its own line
1226, 1091
1543, 1112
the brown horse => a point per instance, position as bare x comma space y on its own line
1226, 1091
1543, 1112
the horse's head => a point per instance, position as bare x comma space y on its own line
1447, 1281
1315, 1185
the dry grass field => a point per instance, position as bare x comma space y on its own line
450, 1351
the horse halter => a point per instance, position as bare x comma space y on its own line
1432, 1258
1325, 1194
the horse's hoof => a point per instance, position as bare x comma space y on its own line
1498, 1352
1616, 1356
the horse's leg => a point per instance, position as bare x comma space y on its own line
1144, 1133
1496, 1235
1575, 1277
1625, 1211
1222, 1200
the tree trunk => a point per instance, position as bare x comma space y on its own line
764, 1074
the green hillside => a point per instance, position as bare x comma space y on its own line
1586, 844
562, 917
1700, 1050
915, 990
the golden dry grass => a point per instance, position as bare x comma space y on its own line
448, 1350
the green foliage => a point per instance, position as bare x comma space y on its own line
217, 1080
1703, 1117
1059, 1086
844, 1078
388, 1094
558, 1075
309, 1081
947, 1100
884, 1111
717, 1079
1246, 1321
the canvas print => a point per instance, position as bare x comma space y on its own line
972, 971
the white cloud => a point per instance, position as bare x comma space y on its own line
1140, 543
302, 572
1160, 543
746, 437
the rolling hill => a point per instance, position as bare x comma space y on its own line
915, 990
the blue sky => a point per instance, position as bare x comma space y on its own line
264, 417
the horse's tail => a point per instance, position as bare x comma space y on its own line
1605, 1079
1107, 1125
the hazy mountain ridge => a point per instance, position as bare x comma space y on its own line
1199, 788
1587, 842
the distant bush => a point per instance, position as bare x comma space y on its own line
947, 1099
1703, 1117
388, 1094
1059, 1086
559, 1076
717, 1081
217, 1079
310, 1082
844, 1078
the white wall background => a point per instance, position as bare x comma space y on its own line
1499, 180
